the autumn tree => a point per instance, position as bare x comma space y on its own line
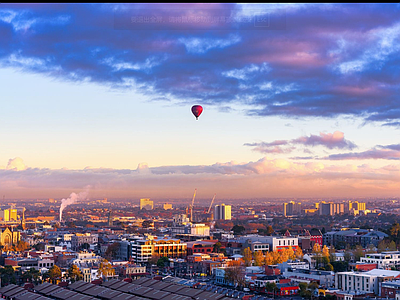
22, 246
74, 274
299, 253
259, 258
247, 256
54, 273
268, 259
105, 269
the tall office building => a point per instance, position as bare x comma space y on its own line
330, 208
291, 208
146, 203
223, 212
356, 205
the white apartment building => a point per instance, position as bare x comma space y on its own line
363, 282
384, 260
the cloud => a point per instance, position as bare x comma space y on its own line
303, 64
16, 164
263, 178
391, 152
334, 140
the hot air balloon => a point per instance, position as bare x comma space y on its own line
197, 110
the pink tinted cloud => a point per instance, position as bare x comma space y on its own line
263, 178
334, 140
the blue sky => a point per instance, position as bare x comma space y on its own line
299, 100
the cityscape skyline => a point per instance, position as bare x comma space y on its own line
96, 101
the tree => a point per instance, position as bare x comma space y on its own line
325, 251
259, 258
358, 252
269, 230
163, 262
394, 230
238, 229
247, 256
299, 253
392, 246
105, 269
217, 247
22, 246
74, 273
31, 275
112, 251
235, 275
7, 275
54, 273
270, 286
329, 267
303, 288
268, 259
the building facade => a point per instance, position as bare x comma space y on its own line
222, 212
146, 203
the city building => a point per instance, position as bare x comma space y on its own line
9, 237
384, 260
291, 208
146, 203
364, 282
79, 239
144, 249
222, 212
330, 208
167, 206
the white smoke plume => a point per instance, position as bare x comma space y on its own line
71, 200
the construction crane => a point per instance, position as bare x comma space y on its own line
191, 207
212, 202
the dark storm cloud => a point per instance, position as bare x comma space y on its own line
310, 61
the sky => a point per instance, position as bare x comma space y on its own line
300, 100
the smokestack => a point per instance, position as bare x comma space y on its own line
71, 200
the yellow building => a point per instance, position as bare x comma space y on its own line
167, 206
13, 215
8, 237
5, 215
146, 203
143, 250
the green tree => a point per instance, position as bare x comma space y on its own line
54, 273
392, 246
217, 247
303, 288
31, 275
7, 275
270, 287
358, 252
163, 262
329, 267
238, 229
74, 273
